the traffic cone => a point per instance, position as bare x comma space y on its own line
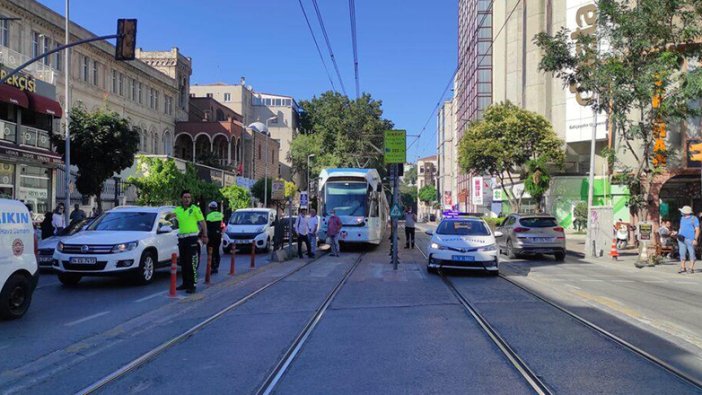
613, 251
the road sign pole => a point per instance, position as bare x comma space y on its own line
395, 196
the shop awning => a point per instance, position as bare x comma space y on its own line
44, 105
12, 95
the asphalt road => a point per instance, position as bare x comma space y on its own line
385, 331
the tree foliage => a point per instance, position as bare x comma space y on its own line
340, 132
537, 180
427, 194
647, 42
237, 197
504, 141
102, 144
258, 189
290, 189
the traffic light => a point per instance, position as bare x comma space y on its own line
126, 39
696, 152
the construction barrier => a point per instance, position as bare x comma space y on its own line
253, 255
208, 271
174, 275
232, 268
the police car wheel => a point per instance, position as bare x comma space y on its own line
15, 297
145, 273
69, 279
432, 270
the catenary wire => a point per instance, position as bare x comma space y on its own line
326, 39
352, 14
316, 44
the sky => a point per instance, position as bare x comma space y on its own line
406, 48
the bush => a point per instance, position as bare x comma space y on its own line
494, 222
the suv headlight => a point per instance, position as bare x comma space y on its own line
437, 246
124, 247
491, 247
59, 247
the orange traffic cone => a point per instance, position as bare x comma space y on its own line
613, 251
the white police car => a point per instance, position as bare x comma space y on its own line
464, 243
18, 263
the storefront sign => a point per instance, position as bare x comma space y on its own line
20, 81
26, 155
497, 195
645, 231
477, 191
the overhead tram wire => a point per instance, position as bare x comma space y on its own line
352, 14
438, 103
316, 44
326, 39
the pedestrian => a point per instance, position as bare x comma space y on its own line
410, 221
77, 214
58, 221
302, 229
313, 227
47, 227
94, 212
214, 232
687, 238
191, 224
333, 230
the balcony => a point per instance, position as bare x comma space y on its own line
8, 131
34, 137
13, 59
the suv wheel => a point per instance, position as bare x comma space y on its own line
69, 279
510, 250
147, 265
15, 297
560, 256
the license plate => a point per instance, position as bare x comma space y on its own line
242, 241
542, 239
45, 259
463, 258
83, 261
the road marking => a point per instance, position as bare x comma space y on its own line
622, 281
654, 281
685, 282
591, 280
572, 286
157, 294
88, 318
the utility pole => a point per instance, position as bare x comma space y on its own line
67, 74
395, 198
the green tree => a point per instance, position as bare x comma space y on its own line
258, 189
340, 132
102, 144
236, 197
647, 43
410, 177
427, 195
290, 189
504, 141
408, 196
158, 181
537, 180
580, 214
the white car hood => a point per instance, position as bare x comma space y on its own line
49, 243
244, 228
456, 241
98, 237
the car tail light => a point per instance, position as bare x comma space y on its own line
558, 229
520, 230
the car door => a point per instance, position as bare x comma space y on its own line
166, 242
505, 229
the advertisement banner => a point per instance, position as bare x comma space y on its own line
477, 191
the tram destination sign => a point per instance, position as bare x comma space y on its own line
395, 146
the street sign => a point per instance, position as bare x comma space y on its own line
278, 190
395, 146
645, 231
304, 199
396, 212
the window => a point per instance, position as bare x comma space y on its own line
277, 102
272, 156
227, 97
46, 46
114, 81
84, 68
58, 57
36, 42
259, 152
140, 93
287, 102
5, 32
132, 89
96, 76
209, 95
156, 93
168, 104
463, 228
151, 98
121, 84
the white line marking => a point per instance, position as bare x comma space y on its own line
572, 286
622, 281
150, 297
591, 280
88, 318
654, 281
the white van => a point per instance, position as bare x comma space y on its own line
18, 262
249, 225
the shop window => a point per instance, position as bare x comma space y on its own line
34, 187
7, 180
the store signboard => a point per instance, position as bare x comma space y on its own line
477, 191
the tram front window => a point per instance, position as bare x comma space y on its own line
348, 198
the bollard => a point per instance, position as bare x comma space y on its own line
232, 268
208, 271
253, 255
174, 275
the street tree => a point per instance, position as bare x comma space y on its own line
258, 189
158, 181
645, 77
427, 195
504, 141
410, 177
236, 197
340, 132
537, 180
102, 144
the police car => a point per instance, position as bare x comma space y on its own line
18, 263
464, 243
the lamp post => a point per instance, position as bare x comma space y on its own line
308, 172
263, 129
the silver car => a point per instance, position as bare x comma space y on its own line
530, 234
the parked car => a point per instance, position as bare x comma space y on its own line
464, 243
125, 241
250, 225
529, 234
45, 255
18, 264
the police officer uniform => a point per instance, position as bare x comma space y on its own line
188, 246
214, 231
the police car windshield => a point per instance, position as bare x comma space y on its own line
463, 228
249, 218
121, 221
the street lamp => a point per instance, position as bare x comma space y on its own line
263, 129
308, 172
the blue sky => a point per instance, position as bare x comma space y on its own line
406, 48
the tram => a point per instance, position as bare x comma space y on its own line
360, 202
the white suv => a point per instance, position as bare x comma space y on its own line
130, 241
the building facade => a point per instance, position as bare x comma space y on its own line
427, 171
447, 157
473, 82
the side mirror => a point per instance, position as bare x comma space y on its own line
164, 229
499, 234
429, 232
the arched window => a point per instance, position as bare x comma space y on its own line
154, 144
167, 145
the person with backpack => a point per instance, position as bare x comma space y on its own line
214, 232
688, 233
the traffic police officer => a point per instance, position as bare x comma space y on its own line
191, 224
214, 231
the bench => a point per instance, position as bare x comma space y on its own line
661, 249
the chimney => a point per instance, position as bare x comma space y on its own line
243, 81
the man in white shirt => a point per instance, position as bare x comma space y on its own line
313, 225
58, 221
302, 229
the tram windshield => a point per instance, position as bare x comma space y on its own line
348, 198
